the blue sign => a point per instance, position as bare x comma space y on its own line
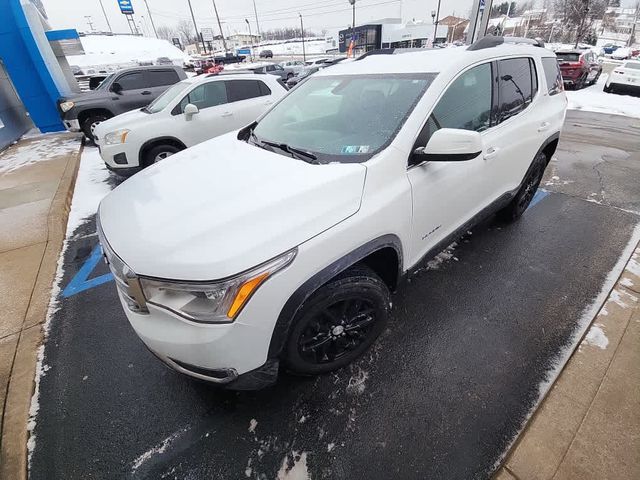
244, 51
126, 7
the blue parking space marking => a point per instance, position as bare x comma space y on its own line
81, 281
538, 197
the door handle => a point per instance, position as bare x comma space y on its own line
544, 126
491, 153
146, 92
226, 114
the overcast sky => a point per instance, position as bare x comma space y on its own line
318, 15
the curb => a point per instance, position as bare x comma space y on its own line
528, 456
13, 442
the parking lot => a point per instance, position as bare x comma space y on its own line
473, 340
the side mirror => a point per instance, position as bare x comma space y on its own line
190, 110
116, 88
450, 145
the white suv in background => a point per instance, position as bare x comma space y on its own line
186, 114
279, 244
624, 77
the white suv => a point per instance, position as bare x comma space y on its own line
283, 247
186, 114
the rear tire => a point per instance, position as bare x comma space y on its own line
159, 153
595, 80
607, 89
338, 322
522, 199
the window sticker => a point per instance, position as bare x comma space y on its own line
353, 149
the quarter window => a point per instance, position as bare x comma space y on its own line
244, 89
465, 105
517, 85
161, 78
552, 75
131, 81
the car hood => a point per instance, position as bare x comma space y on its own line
90, 96
223, 207
124, 120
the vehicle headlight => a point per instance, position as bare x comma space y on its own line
212, 302
117, 137
66, 106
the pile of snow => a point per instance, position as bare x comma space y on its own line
294, 47
593, 99
112, 52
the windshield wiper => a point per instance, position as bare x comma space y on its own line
294, 152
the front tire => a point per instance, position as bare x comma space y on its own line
338, 323
607, 89
159, 153
522, 199
90, 124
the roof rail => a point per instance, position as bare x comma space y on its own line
234, 72
390, 51
491, 41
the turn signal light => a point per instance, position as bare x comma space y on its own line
245, 291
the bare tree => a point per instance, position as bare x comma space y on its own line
578, 16
186, 31
167, 33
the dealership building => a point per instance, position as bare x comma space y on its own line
34, 72
391, 33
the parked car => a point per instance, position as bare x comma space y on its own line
609, 48
280, 244
266, 54
296, 66
188, 113
579, 68
625, 53
119, 92
317, 61
275, 69
163, 61
306, 72
624, 77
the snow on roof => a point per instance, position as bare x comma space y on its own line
123, 50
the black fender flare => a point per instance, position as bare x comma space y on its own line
304, 291
165, 138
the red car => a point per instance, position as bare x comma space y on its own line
579, 68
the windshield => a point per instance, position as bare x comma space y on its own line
103, 83
346, 118
568, 57
163, 100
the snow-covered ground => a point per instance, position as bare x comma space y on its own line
119, 51
311, 47
39, 148
593, 99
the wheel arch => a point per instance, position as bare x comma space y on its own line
549, 146
87, 112
154, 142
376, 254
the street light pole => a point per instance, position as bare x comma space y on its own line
435, 28
150, 18
250, 39
304, 55
353, 28
195, 25
105, 16
224, 42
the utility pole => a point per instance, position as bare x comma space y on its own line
633, 27
105, 16
195, 25
153, 25
250, 38
304, 55
256, 14
435, 28
224, 42
89, 22
352, 43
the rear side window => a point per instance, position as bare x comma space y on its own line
131, 81
161, 78
552, 75
517, 85
244, 89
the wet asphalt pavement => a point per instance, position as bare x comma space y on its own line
441, 395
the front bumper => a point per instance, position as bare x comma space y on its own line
120, 157
623, 81
72, 125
